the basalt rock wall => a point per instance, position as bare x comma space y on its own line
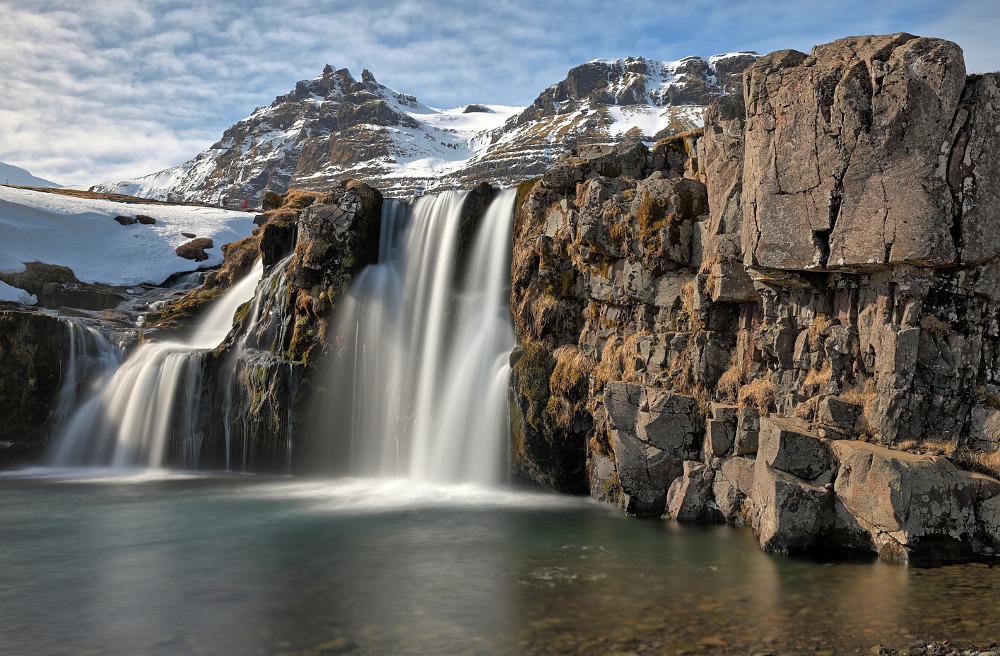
789, 319
34, 350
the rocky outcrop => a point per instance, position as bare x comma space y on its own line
817, 276
33, 348
57, 286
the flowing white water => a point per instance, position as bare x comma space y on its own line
91, 360
156, 391
426, 363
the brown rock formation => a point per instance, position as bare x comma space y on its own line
830, 310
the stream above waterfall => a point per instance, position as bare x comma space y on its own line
158, 563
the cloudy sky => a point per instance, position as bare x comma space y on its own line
98, 90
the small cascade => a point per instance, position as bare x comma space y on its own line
154, 394
421, 367
92, 359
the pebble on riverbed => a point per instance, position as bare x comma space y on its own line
937, 649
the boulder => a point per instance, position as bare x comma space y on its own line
841, 145
912, 506
652, 432
732, 486
790, 515
721, 160
793, 449
689, 498
195, 249
838, 414
747, 432
719, 437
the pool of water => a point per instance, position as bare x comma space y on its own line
194, 564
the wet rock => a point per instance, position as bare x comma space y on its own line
789, 514
689, 498
32, 348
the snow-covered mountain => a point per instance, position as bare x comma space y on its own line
335, 127
15, 175
84, 235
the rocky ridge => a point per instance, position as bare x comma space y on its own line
334, 127
787, 319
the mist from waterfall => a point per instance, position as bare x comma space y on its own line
128, 421
421, 365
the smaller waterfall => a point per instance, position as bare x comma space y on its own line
92, 359
421, 367
153, 394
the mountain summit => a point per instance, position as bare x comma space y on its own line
334, 127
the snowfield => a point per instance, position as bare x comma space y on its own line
81, 234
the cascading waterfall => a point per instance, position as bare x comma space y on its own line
129, 421
425, 364
91, 360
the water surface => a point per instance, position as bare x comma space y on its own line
192, 564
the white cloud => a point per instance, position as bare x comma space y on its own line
129, 87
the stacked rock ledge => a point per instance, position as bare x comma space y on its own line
787, 319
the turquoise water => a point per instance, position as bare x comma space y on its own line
177, 564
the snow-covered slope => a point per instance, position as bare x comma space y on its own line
334, 127
82, 234
15, 175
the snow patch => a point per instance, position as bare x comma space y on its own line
8, 293
81, 234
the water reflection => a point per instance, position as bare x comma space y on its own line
264, 566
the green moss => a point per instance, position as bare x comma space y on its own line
559, 285
523, 189
530, 377
181, 312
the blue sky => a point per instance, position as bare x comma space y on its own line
99, 90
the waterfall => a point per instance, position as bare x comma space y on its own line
91, 360
421, 365
153, 394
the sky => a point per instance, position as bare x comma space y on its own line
103, 90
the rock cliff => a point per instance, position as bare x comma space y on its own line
788, 318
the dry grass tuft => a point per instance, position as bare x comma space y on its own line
807, 410
618, 362
821, 323
709, 268
984, 462
731, 380
934, 326
572, 369
760, 394
820, 378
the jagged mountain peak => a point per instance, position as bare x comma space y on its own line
333, 127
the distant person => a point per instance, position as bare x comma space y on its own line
244, 205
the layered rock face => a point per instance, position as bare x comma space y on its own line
787, 319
